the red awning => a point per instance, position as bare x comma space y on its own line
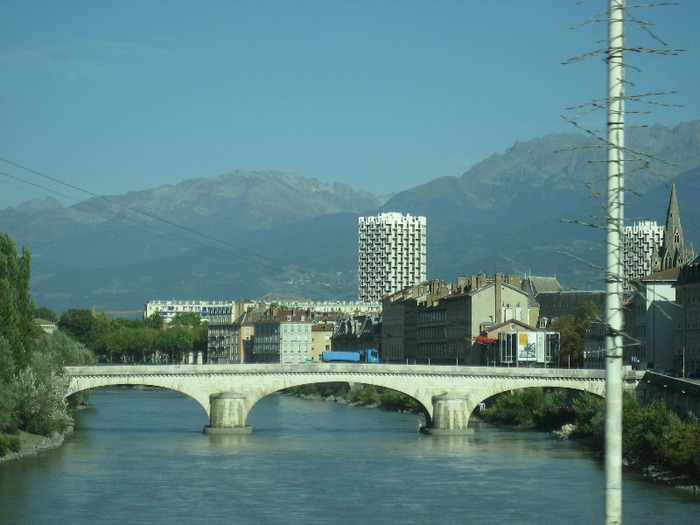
483, 340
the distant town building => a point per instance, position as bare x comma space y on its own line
529, 348
654, 321
357, 333
321, 340
321, 308
168, 309
230, 330
640, 242
283, 337
687, 343
47, 326
438, 323
649, 248
391, 254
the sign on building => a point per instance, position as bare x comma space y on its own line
528, 348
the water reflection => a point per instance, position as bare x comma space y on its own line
142, 457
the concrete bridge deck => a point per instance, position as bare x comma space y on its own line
448, 394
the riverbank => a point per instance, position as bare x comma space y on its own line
568, 431
679, 481
33, 444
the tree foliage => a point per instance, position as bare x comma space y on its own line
369, 395
16, 306
43, 312
530, 408
137, 341
77, 323
572, 328
32, 380
651, 434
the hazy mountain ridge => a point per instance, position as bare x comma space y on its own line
294, 236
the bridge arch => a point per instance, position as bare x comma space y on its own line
424, 409
488, 391
81, 384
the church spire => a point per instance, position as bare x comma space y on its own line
673, 251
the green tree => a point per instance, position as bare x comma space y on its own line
190, 319
77, 323
175, 343
98, 335
41, 405
571, 350
588, 410
154, 321
8, 412
530, 408
572, 329
16, 305
42, 312
58, 350
51, 352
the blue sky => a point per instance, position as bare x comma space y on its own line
114, 96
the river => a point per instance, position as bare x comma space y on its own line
139, 456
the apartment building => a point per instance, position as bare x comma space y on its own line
640, 242
168, 309
283, 337
231, 329
654, 321
391, 254
687, 336
436, 322
321, 340
649, 248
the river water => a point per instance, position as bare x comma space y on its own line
139, 456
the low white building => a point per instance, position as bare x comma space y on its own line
168, 309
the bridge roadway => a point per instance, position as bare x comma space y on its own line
447, 394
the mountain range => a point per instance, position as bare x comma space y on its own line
246, 235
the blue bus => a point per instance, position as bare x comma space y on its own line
363, 356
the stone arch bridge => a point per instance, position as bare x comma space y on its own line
448, 394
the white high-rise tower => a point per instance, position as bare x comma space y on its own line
640, 242
391, 254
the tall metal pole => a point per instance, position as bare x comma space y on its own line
613, 302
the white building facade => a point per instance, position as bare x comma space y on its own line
640, 242
168, 309
391, 254
688, 318
655, 311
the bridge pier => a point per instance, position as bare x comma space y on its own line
450, 416
227, 414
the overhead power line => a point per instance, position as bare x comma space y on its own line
262, 260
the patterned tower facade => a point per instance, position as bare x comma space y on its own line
649, 248
391, 254
640, 242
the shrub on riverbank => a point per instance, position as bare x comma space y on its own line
32, 396
530, 408
365, 395
652, 435
9, 443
